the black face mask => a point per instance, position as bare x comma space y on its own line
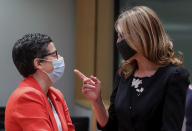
125, 50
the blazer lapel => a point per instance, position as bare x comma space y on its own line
51, 115
59, 109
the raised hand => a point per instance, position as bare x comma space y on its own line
91, 86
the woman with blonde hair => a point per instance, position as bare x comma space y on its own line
150, 87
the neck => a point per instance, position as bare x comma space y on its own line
145, 67
43, 81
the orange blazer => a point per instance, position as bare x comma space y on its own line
28, 109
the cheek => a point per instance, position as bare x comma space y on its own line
49, 68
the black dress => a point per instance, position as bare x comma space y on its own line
155, 103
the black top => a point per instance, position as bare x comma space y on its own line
155, 103
189, 110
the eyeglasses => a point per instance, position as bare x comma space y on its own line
51, 53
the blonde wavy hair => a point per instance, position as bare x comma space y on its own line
143, 31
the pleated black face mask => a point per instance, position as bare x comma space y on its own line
125, 50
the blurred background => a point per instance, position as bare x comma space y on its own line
83, 33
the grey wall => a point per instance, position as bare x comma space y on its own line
53, 17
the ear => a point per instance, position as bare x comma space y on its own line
37, 64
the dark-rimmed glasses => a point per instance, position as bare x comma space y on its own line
51, 53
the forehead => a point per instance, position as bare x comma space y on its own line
51, 47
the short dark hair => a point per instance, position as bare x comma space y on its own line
26, 49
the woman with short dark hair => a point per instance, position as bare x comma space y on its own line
35, 104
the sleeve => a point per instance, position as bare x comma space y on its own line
174, 105
112, 124
30, 113
188, 110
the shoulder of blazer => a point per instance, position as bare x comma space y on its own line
28, 90
24, 94
177, 70
175, 74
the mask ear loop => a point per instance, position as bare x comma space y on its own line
41, 59
44, 59
38, 63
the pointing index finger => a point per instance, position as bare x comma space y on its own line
81, 75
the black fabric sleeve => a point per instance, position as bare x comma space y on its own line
188, 110
175, 95
112, 124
